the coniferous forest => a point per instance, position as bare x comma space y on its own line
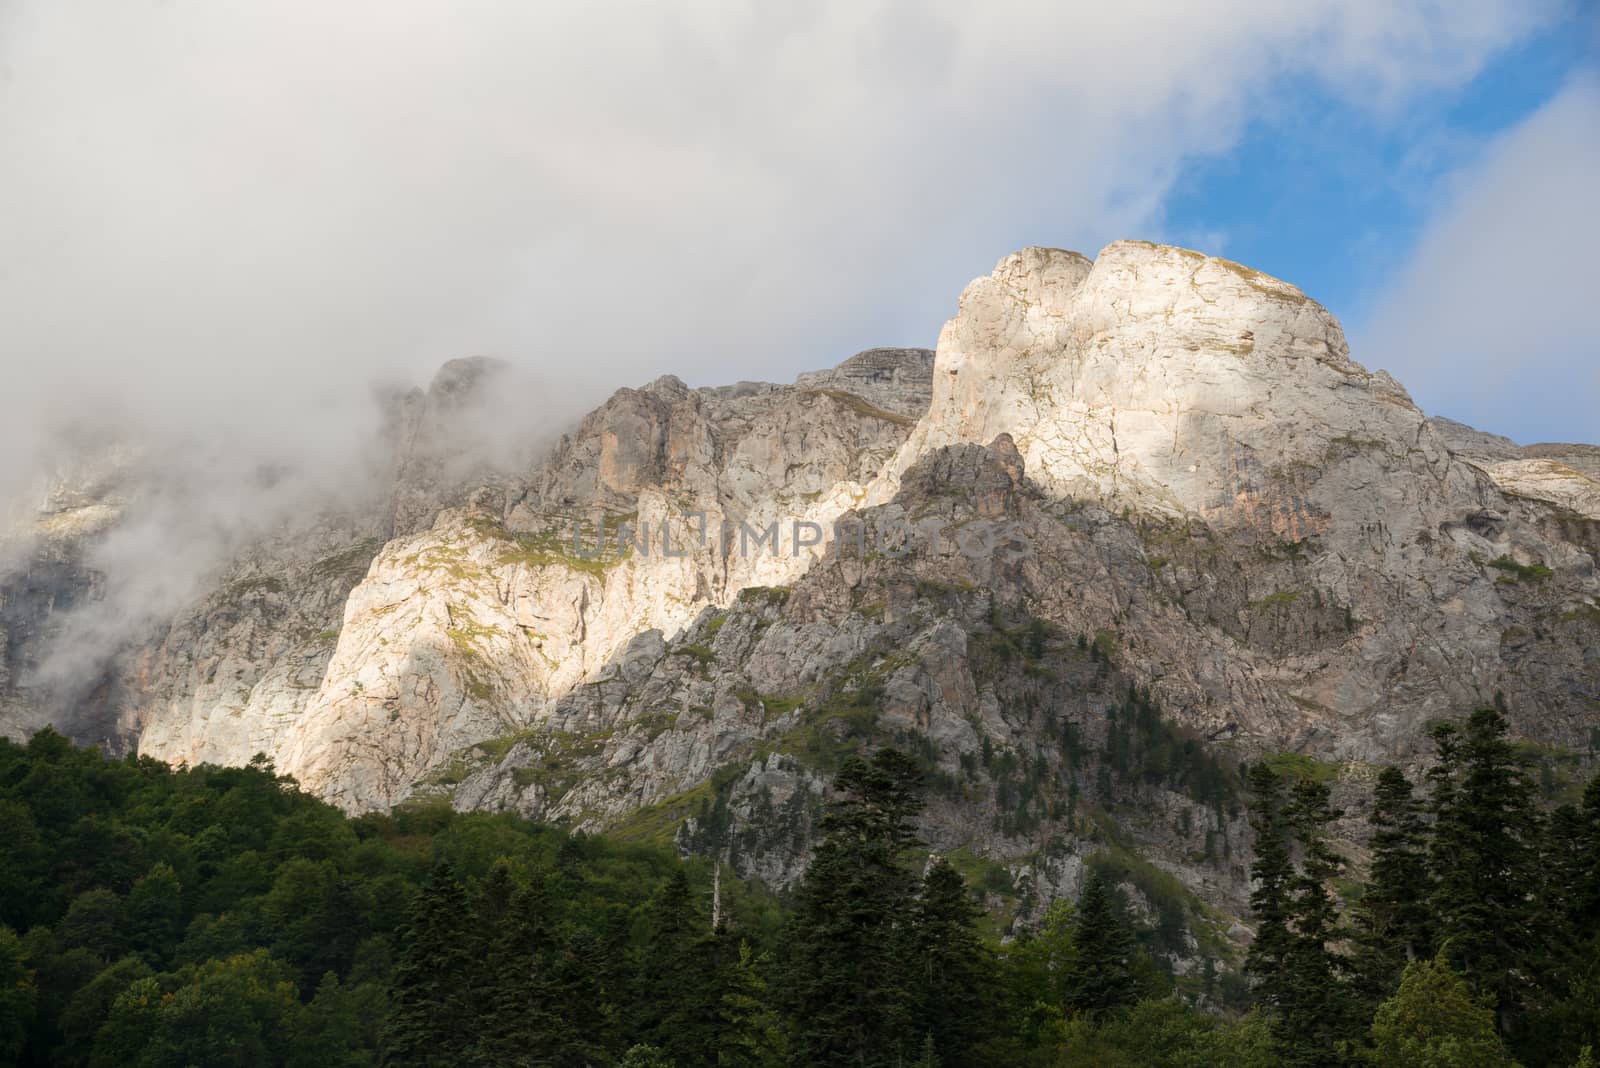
219, 916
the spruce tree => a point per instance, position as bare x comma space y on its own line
1292, 962
1579, 874
1433, 1021
847, 943
493, 904
1485, 860
1315, 1011
678, 992
520, 1002
1571, 1017
954, 976
1566, 868
431, 1021
583, 1003
1271, 873
1393, 924
334, 931
1100, 976
750, 1030
327, 1033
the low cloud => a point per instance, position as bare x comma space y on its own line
1492, 320
230, 218
223, 223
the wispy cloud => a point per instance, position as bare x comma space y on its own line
1492, 319
226, 215
221, 222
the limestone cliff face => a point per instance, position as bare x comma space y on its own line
448, 602
471, 629
43, 575
1200, 393
1207, 507
1181, 384
1268, 541
1034, 744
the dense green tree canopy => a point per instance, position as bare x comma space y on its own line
219, 916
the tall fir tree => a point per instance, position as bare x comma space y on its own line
431, 1018
335, 930
1100, 973
1292, 963
1393, 924
585, 1000
520, 1001
846, 973
328, 1032
1566, 868
1485, 859
750, 1030
494, 900
678, 993
1271, 875
1571, 894
1315, 1011
953, 979
1580, 889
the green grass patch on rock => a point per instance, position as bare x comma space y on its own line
1584, 613
865, 408
1515, 572
1281, 599
549, 548
776, 596
1300, 767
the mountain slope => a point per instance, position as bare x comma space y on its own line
1139, 516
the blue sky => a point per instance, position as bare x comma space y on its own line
1330, 197
224, 222
1335, 198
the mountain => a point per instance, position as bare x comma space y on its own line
1139, 518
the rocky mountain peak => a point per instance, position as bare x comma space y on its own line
896, 380
1191, 390
1201, 503
460, 380
1164, 379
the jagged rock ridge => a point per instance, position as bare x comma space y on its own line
1224, 515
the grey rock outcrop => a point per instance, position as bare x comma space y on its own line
1224, 405
1186, 497
1277, 544
363, 645
896, 380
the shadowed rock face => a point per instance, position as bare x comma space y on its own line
1183, 385
44, 578
32, 597
1195, 479
366, 647
1213, 400
896, 380
472, 628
